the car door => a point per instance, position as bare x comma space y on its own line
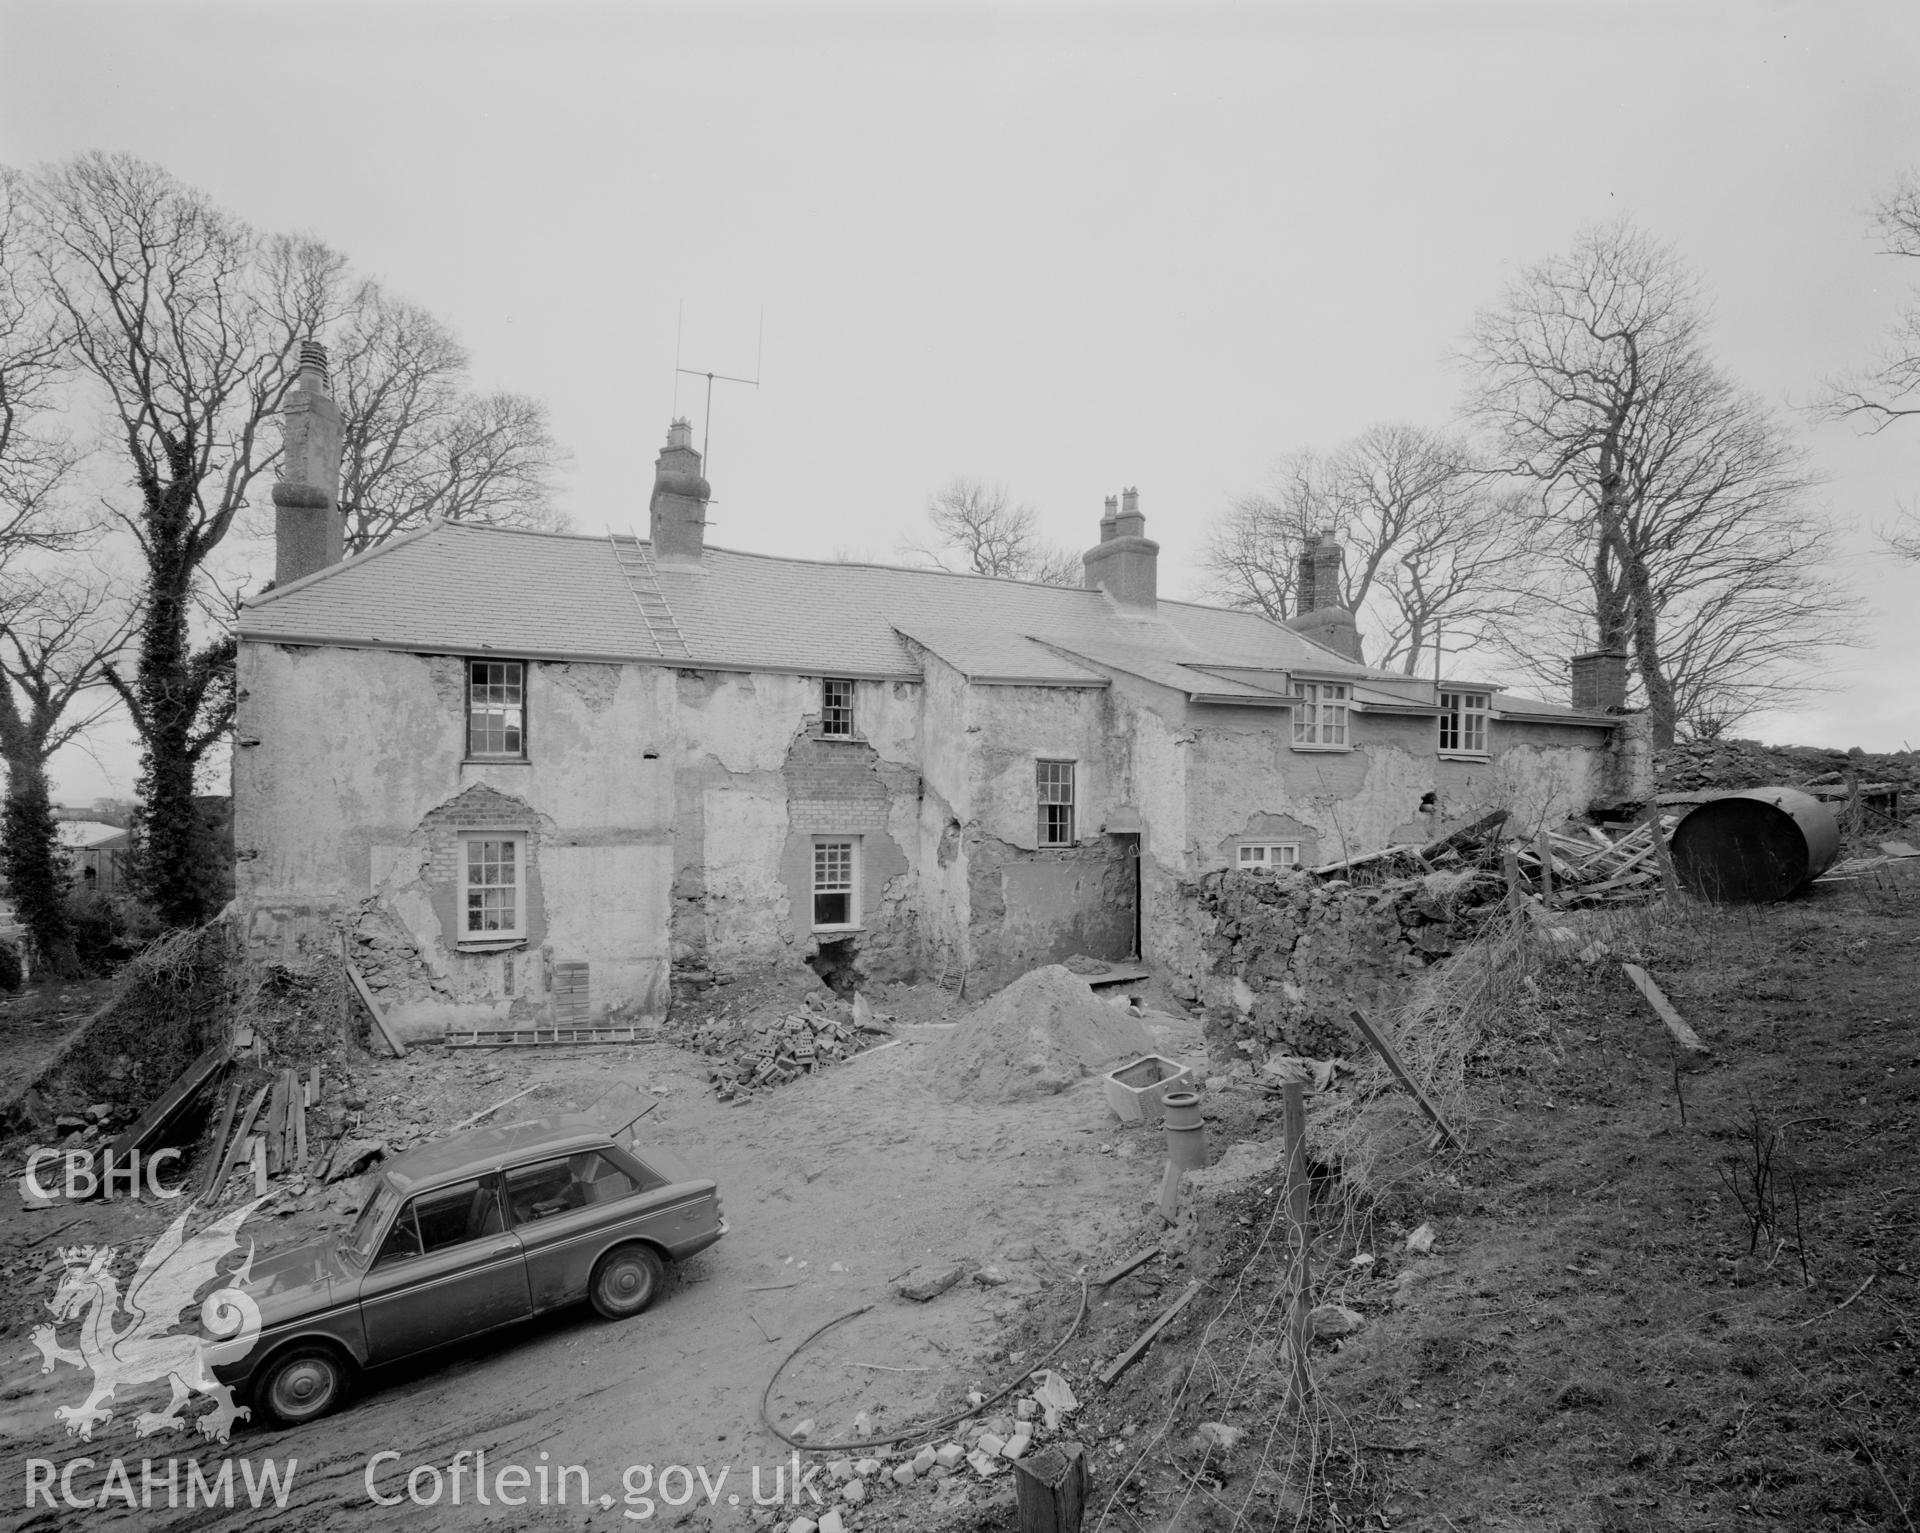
448, 1267
562, 1208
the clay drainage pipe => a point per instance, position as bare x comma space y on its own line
1186, 1130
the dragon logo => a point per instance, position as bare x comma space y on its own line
149, 1348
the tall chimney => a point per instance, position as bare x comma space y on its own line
1318, 613
1600, 681
1125, 562
678, 510
307, 533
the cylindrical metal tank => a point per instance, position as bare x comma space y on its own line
1761, 844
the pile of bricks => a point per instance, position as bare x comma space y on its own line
758, 1054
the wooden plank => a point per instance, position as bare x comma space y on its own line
144, 1130
394, 1045
1683, 1035
1387, 1052
217, 1149
273, 1120
1115, 1273
1543, 849
237, 1146
259, 1166
1129, 1357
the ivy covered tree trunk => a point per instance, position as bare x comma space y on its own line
36, 871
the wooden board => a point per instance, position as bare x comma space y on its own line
144, 1130
548, 1037
1391, 1056
394, 1046
1683, 1035
1129, 1357
236, 1145
217, 1148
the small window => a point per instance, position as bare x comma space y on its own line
493, 887
836, 709
496, 710
1269, 854
1320, 718
1463, 727
836, 883
1054, 785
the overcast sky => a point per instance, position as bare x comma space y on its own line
1070, 247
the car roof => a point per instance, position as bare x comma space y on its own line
481, 1149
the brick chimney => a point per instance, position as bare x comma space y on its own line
1125, 562
1600, 681
307, 532
1318, 612
678, 510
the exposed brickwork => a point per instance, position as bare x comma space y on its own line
1600, 681
833, 788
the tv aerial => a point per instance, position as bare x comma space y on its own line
706, 420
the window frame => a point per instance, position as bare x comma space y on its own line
852, 890
468, 715
1265, 864
1458, 712
1313, 715
829, 708
1042, 803
465, 936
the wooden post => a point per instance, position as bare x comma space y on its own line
1050, 1489
1516, 893
1543, 849
1300, 1236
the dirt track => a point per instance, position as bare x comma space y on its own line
834, 1185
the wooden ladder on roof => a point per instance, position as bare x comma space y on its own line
636, 568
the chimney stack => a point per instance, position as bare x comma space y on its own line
1600, 681
307, 532
1125, 562
1318, 613
678, 510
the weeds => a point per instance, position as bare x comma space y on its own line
1758, 1176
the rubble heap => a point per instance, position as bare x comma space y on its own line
760, 1052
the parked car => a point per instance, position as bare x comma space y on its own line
464, 1236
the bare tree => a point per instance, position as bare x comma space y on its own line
57, 631
189, 324
417, 444
36, 456
1676, 495
978, 527
1433, 544
1887, 389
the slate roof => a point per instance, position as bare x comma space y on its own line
452, 588
456, 588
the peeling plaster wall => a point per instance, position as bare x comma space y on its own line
754, 783
1029, 905
348, 809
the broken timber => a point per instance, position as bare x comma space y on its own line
1391, 1057
394, 1046
148, 1127
1683, 1035
1116, 1272
1127, 1358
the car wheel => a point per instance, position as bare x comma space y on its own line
625, 1281
304, 1384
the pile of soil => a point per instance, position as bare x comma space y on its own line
1734, 764
1036, 1037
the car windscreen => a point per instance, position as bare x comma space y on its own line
358, 1245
